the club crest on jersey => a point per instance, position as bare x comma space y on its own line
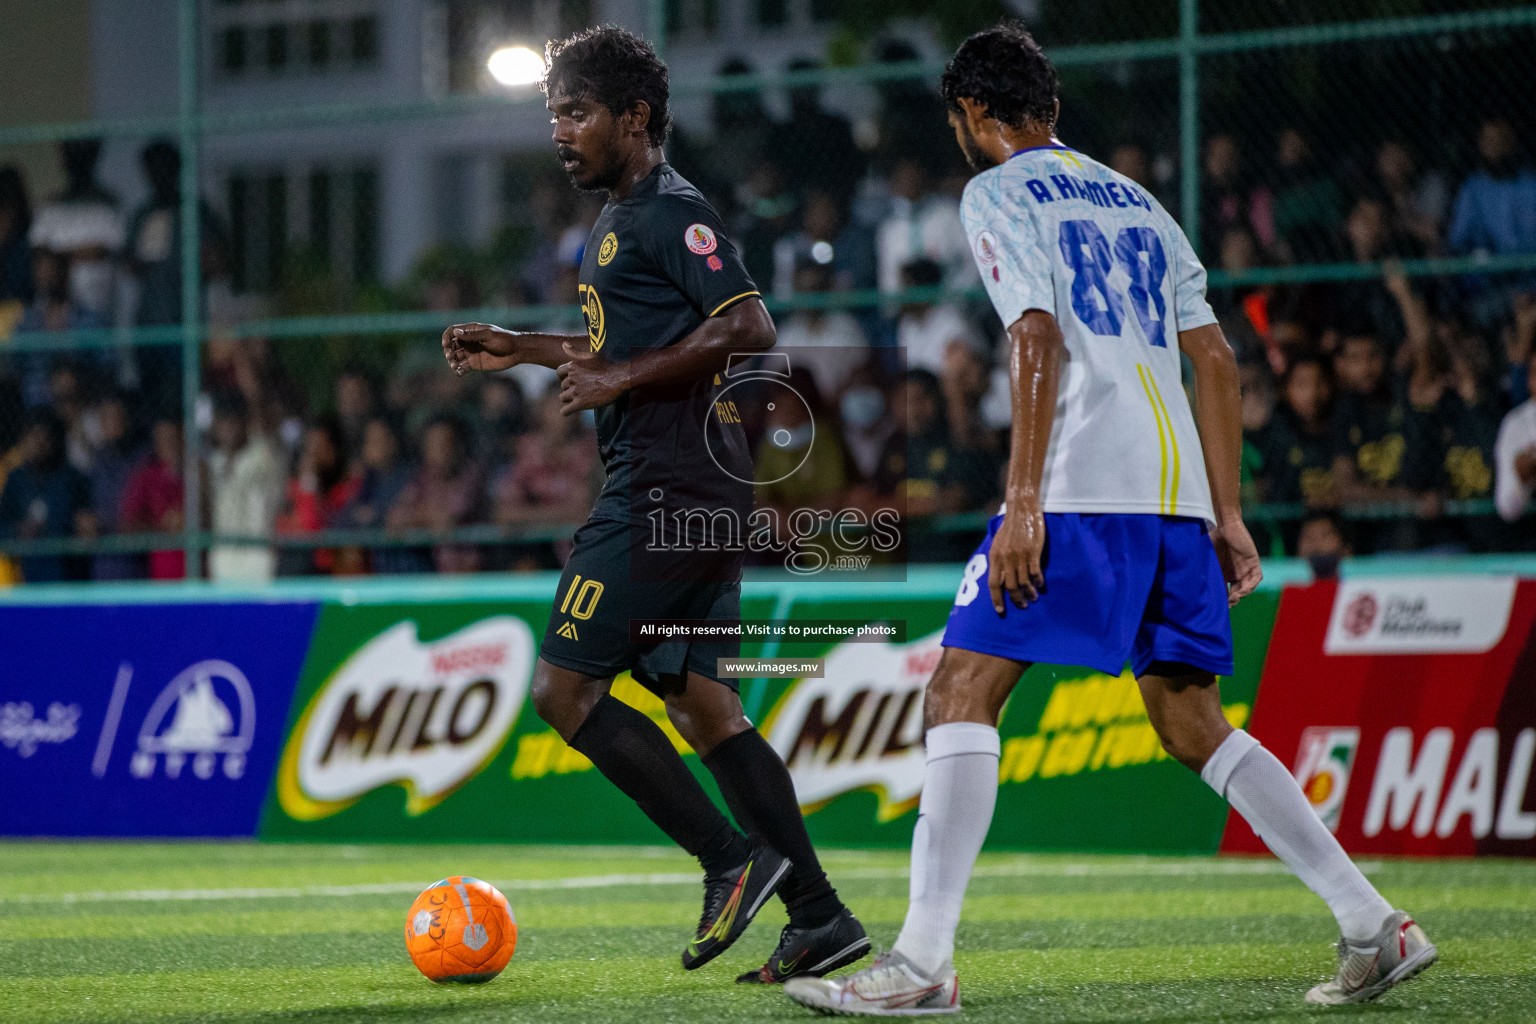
592, 307
606, 251
714, 263
986, 248
700, 239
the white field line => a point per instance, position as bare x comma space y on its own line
1147, 868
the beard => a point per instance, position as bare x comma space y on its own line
975, 156
586, 177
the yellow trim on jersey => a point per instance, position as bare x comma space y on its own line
1173, 439
1162, 437
734, 298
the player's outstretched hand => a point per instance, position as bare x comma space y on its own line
1239, 560
588, 381
479, 347
1013, 564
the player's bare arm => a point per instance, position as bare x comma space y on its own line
1218, 417
588, 380
491, 348
1034, 374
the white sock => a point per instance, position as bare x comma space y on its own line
1257, 785
959, 794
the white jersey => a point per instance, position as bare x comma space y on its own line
1057, 231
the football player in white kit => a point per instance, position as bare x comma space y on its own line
1121, 538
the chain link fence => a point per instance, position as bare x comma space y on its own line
1357, 176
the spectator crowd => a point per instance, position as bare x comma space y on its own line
1380, 411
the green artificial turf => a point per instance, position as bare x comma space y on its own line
199, 932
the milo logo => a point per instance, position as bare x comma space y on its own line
860, 726
424, 716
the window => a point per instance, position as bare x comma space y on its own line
318, 37
337, 210
276, 47
700, 17
232, 51
365, 224
320, 209
258, 206
365, 39
772, 13
282, 38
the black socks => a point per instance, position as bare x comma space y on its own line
757, 788
635, 755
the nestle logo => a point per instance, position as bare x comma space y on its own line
922, 663
424, 715
1360, 615
469, 659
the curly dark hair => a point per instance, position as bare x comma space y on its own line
1004, 69
614, 67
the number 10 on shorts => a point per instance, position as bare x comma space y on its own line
581, 598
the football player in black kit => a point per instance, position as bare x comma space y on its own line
667, 301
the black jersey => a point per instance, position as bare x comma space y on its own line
1298, 463
656, 266
1368, 431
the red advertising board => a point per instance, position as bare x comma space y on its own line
1406, 706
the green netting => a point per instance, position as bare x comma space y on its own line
1315, 152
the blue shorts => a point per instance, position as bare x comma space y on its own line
1118, 588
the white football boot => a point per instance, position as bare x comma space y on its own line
890, 987
1367, 969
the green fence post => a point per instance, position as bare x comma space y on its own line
191, 285
1189, 121
656, 24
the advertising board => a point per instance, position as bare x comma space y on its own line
1081, 766
414, 721
1407, 709
144, 720
1405, 705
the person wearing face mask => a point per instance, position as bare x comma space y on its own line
866, 426
84, 224
1323, 544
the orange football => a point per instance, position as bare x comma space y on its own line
460, 929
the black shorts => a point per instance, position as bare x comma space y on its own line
611, 579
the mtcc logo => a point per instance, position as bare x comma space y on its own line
206, 713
